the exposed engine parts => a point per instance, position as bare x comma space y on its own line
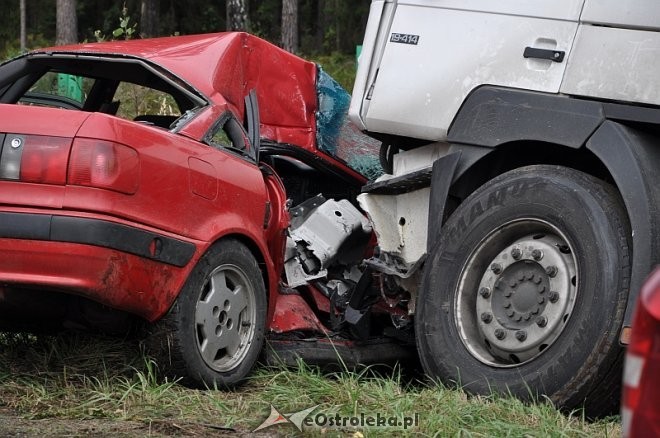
326, 248
324, 235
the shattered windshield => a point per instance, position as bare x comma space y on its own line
337, 135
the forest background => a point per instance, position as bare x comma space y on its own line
326, 31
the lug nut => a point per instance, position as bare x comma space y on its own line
541, 300
484, 292
551, 271
554, 296
541, 289
510, 313
542, 321
496, 268
486, 317
500, 334
513, 284
528, 316
516, 253
521, 335
537, 254
508, 293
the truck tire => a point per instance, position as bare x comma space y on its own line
526, 290
214, 332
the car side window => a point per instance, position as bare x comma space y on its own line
228, 133
144, 104
59, 90
221, 138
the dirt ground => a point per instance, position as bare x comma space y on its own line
12, 425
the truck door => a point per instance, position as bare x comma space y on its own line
434, 53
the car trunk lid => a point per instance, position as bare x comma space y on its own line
35, 144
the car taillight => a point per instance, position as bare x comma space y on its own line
640, 404
104, 165
34, 158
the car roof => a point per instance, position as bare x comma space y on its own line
225, 67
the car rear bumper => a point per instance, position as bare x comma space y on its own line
123, 266
97, 232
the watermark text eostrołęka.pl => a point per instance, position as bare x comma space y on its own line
309, 420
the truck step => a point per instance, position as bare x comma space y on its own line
401, 184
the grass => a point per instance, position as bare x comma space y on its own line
340, 66
78, 380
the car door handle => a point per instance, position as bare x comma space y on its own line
552, 55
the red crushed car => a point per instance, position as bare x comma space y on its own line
203, 184
640, 404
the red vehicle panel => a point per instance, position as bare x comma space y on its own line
153, 181
640, 411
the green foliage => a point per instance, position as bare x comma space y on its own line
265, 20
340, 66
12, 48
126, 29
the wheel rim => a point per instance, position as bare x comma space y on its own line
225, 318
516, 293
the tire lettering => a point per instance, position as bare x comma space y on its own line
519, 189
458, 229
475, 212
494, 199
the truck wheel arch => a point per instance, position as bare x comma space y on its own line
609, 141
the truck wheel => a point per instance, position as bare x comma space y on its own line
214, 332
526, 290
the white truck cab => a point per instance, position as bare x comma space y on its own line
521, 205
421, 58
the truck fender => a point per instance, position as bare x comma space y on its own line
492, 116
632, 157
442, 176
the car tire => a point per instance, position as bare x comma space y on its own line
213, 334
525, 292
